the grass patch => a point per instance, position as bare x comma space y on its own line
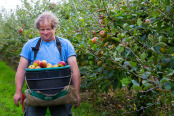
7, 90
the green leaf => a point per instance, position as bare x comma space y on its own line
119, 59
137, 87
139, 22
145, 75
145, 84
125, 25
165, 79
167, 85
94, 47
149, 104
143, 56
126, 81
120, 48
135, 83
133, 64
90, 41
168, 8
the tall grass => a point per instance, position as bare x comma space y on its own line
7, 89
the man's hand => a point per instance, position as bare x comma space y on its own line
17, 98
76, 105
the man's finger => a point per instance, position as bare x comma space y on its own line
17, 104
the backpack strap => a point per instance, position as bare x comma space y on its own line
58, 44
36, 48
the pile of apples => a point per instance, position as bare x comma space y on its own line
43, 64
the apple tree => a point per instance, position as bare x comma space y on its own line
118, 44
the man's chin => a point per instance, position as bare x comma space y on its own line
47, 39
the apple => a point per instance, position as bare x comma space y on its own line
20, 30
94, 32
94, 39
147, 20
31, 67
102, 16
37, 67
49, 64
61, 64
43, 64
101, 52
55, 65
36, 63
102, 33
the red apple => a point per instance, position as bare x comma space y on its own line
20, 30
31, 67
147, 20
37, 67
102, 33
36, 63
94, 39
94, 32
43, 64
102, 16
61, 64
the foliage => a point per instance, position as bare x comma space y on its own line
135, 52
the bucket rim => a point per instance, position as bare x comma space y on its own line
45, 69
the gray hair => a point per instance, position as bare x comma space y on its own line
49, 16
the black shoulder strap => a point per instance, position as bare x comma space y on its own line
58, 44
36, 48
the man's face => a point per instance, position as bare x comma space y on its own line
47, 33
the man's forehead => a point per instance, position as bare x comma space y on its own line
45, 24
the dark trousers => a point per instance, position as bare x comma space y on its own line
62, 110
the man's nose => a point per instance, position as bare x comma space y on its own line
45, 31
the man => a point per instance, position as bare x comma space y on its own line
46, 23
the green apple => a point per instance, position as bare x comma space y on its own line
31, 67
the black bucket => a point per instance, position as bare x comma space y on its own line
48, 80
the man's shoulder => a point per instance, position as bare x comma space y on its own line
33, 42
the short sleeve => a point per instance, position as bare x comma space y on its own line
26, 50
68, 49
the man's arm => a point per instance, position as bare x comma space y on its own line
75, 76
19, 80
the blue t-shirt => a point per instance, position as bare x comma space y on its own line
48, 51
